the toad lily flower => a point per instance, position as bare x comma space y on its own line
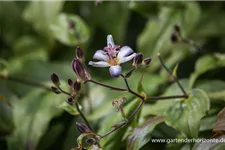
112, 56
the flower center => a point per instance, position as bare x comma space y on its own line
114, 61
112, 51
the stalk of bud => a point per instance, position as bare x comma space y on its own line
55, 90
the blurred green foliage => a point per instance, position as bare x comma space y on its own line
38, 38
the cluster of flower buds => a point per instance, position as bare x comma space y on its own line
139, 61
119, 105
79, 67
76, 87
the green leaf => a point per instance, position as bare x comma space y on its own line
94, 147
204, 64
6, 115
185, 115
175, 70
142, 7
208, 122
215, 89
114, 140
211, 145
69, 108
140, 88
53, 133
161, 107
5, 100
32, 115
71, 36
3, 66
41, 14
142, 134
30, 46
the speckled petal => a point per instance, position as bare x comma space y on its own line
99, 54
115, 71
124, 51
110, 41
99, 64
128, 58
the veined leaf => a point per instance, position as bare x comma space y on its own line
141, 135
185, 115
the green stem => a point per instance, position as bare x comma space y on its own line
107, 86
155, 98
170, 73
125, 122
83, 117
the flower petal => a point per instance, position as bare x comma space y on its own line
99, 64
115, 71
110, 41
99, 54
128, 58
124, 51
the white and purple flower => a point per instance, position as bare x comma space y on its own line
112, 56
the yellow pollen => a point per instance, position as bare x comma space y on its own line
114, 61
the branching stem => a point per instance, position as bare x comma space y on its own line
170, 73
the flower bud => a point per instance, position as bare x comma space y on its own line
174, 38
79, 53
82, 128
90, 141
137, 59
76, 86
70, 82
80, 70
55, 79
55, 90
146, 61
70, 101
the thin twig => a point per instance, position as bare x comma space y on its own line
174, 77
155, 98
125, 122
107, 86
133, 114
129, 90
83, 117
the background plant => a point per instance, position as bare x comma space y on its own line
39, 38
